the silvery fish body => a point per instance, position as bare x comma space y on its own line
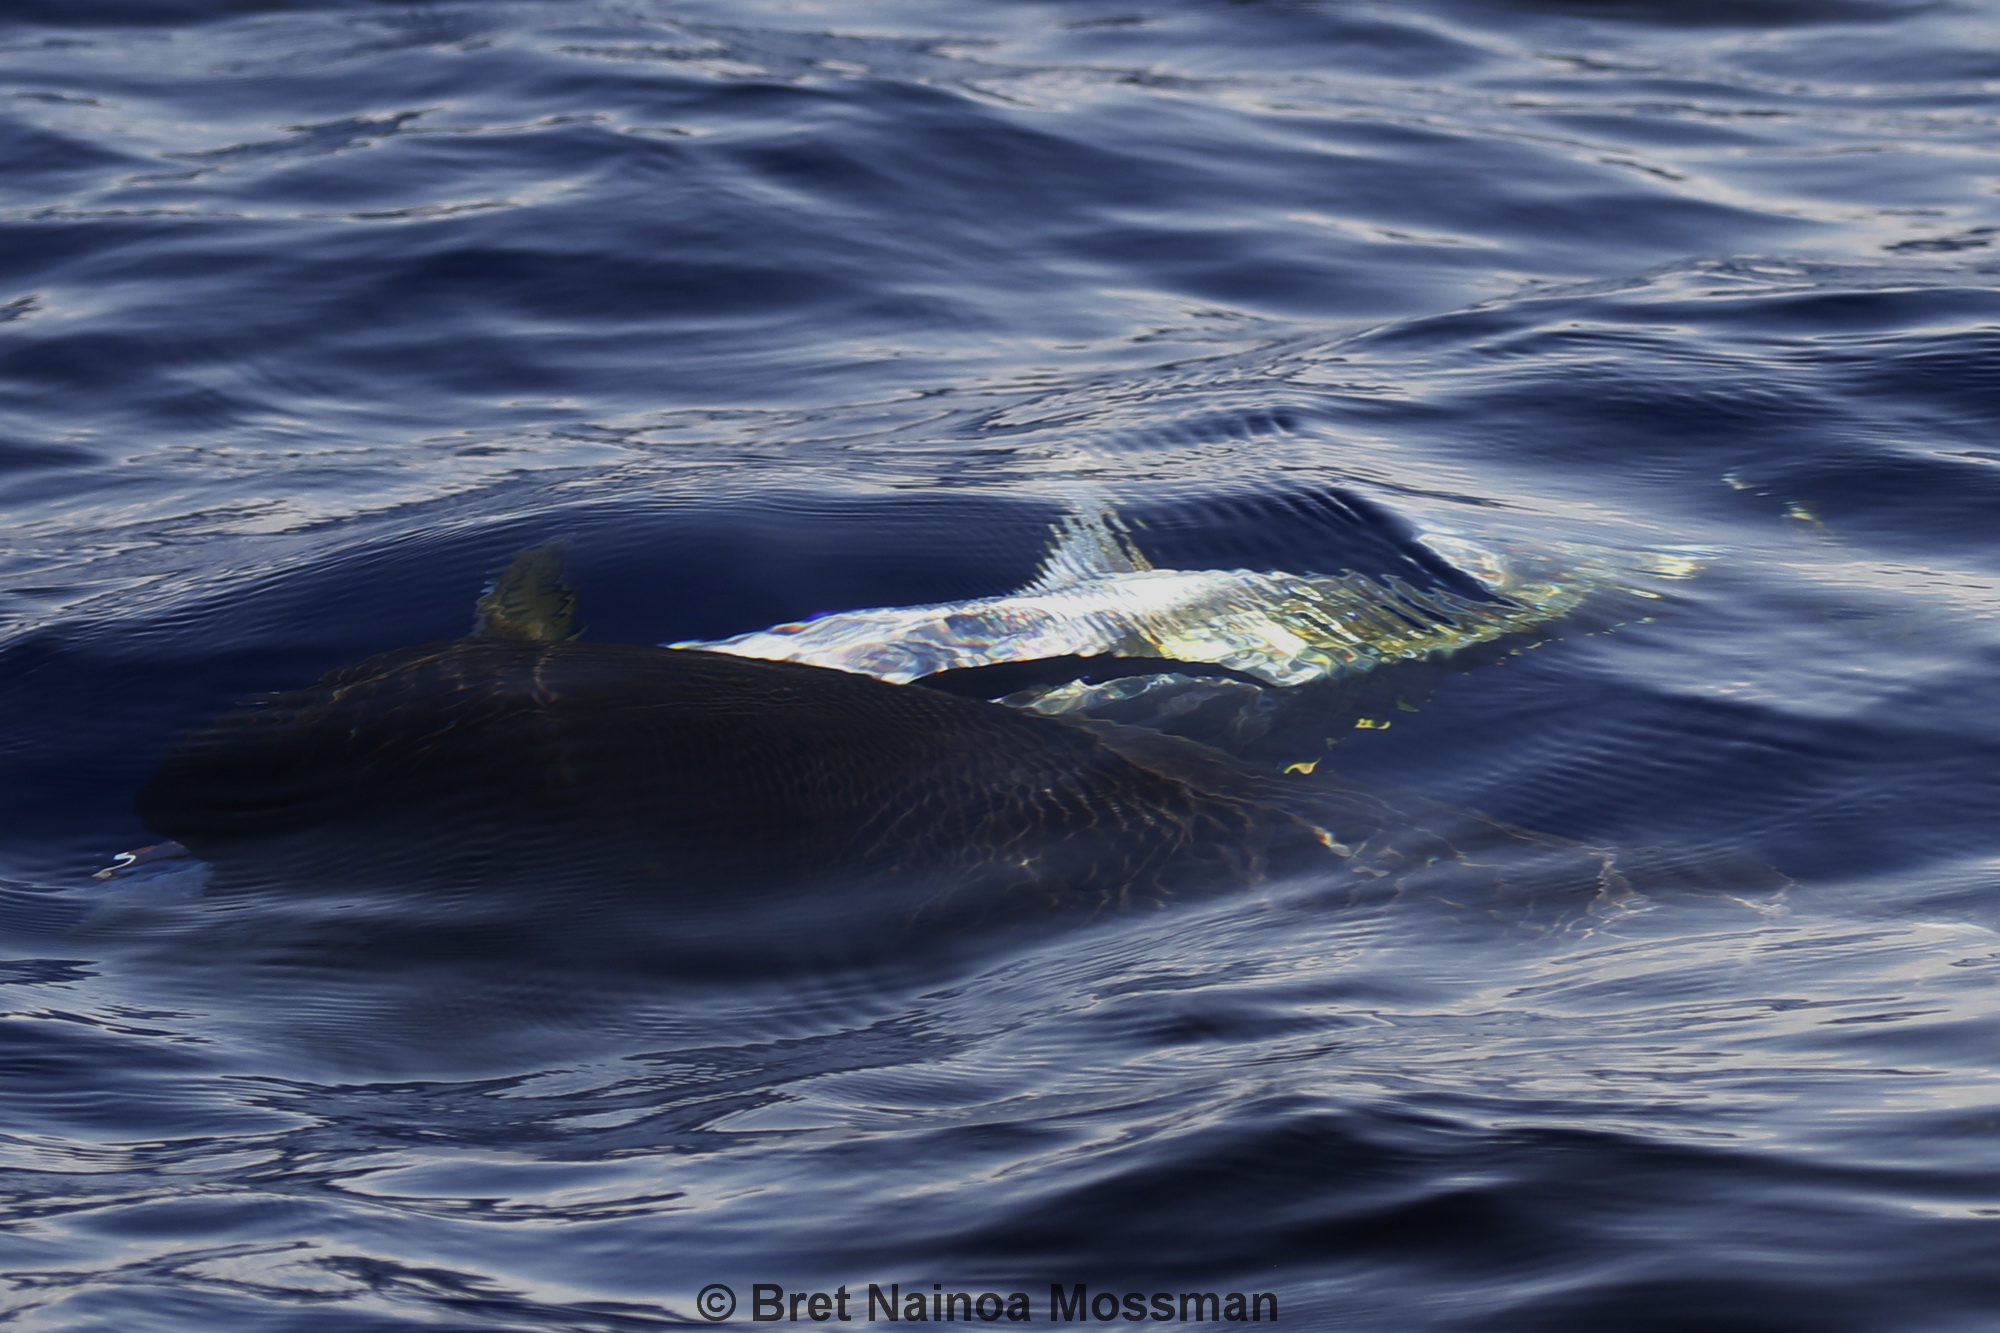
1097, 595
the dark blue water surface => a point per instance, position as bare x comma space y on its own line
311, 313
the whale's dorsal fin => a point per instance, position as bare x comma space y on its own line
1087, 544
529, 599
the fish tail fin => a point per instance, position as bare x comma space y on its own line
1088, 542
529, 599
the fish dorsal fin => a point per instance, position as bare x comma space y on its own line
529, 599
1087, 544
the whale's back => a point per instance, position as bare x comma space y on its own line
492, 761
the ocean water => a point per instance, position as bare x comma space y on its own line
312, 313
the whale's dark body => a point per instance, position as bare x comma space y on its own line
484, 762
756, 809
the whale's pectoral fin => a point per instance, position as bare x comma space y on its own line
529, 599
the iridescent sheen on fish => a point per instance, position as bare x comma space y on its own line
1097, 594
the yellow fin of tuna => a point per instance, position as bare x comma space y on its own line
529, 599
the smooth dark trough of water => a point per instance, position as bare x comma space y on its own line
312, 313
